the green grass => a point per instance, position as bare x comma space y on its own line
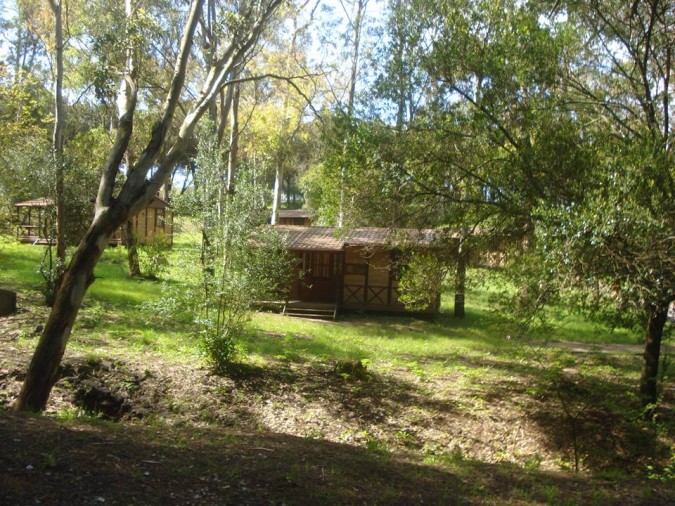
19, 264
461, 367
112, 310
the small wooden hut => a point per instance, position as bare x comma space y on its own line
34, 222
298, 217
356, 269
154, 222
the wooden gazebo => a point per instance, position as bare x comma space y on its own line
34, 219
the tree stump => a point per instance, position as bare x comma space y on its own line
7, 302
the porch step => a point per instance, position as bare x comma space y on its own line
320, 313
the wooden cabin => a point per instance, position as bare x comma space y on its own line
354, 269
34, 222
298, 217
155, 221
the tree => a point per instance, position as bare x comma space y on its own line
24, 142
244, 262
112, 210
618, 236
549, 127
59, 126
291, 119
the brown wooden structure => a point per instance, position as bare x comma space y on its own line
34, 222
354, 269
154, 222
298, 217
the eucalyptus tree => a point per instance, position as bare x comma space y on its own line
112, 209
41, 36
458, 90
59, 126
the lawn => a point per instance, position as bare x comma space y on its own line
369, 409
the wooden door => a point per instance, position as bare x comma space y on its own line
322, 275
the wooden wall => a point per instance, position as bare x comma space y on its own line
369, 280
149, 224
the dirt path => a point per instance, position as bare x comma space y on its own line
636, 349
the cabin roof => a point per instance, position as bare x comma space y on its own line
41, 202
159, 203
294, 213
335, 239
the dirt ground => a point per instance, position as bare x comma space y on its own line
170, 432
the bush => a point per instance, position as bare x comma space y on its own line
153, 256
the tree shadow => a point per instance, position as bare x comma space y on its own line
78, 463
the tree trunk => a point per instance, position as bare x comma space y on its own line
58, 137
357, 26
657, 316
43, 369
233, 155
131, 243
137, 191
460, 282
276, 198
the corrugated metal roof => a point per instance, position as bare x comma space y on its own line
335, 239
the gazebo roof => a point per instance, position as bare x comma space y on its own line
41, 202
46, 202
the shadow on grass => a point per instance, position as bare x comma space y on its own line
76, 463
588, 413
585, 407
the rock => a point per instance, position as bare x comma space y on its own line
7, 302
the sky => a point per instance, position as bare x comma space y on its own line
6, 12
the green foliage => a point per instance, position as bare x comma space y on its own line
242, 261
352, 370
51, 270
356, 174
85, 154
24, 144
423, 276
153, 256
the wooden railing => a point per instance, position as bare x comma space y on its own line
375, 295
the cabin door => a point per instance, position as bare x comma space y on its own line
322, 274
